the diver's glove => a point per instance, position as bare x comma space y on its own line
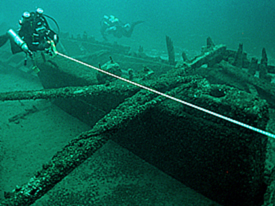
25, 48
52, 51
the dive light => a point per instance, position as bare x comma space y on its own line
18, 41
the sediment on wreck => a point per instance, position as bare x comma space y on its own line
226, 73
221, 161
185, 136
216, 158
78, 150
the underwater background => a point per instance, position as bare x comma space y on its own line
188, 23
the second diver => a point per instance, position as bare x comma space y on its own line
110, 25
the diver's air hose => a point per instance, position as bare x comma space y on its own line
54, 22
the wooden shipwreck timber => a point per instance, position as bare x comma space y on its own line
218, 159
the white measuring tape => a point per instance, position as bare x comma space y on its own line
174, 99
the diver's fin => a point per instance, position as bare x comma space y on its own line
3, 39
136, 23
130, 31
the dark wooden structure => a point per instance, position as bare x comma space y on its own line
214, 157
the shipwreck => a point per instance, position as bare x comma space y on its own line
223, 161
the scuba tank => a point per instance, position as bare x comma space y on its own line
18, 41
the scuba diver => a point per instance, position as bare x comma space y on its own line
34, 34
112, 25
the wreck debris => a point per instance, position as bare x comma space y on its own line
171, 51
153, 112
147, 115
253, 66
66, 92
77, 151
238, 62
93, 91
59, 167
210, 44
263, 67
111, 67
23, 115
184, 56
111, 60
140, 49
131, 74
146, 74
210, 58
225, 73
264, 59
